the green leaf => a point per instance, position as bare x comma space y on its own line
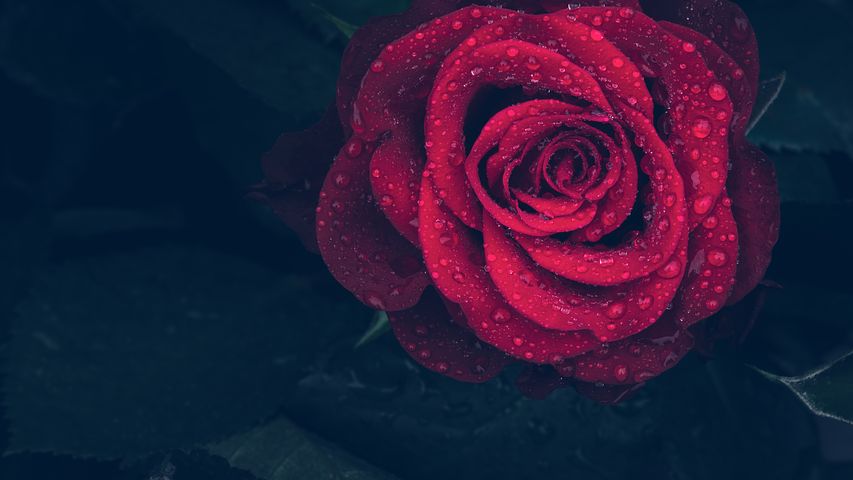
346, 28
827, 391
280, 450
160, 349
815, 110
378, 327
768, 92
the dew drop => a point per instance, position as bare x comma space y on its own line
501, 315
621, 373
342, 179
671, 270
703, 204
355, 147
717, 258
701, 127
717, 92
614, 311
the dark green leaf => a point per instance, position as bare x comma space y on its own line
768, 91
815, 109
431, 427
159, 349
346, 28
827, 391
378, 327
280, 450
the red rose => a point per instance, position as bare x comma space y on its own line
572, 187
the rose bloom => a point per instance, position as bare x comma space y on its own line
564, 186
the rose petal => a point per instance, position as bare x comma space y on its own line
711, 268
434, 339
455, 263
756, 206
632, 259
699, 124
294, 170
610, 313
361, 248
635, 359
395, 176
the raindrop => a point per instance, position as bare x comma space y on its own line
717, 92
701, 127
703, 204
671, 270
501, 315
621, 373
342, 179
615, 311
717, 258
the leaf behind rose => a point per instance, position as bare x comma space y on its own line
768, 92
827, 391
279, 450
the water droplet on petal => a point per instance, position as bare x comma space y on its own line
701, 127
671, 270
595, 35
621, 373
342, 179
616, 310
717, 258
717, 92
501, 315
703, 204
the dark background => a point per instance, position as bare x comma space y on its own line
149, 312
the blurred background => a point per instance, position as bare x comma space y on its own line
156, 324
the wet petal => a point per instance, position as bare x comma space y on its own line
361, 248
432, 334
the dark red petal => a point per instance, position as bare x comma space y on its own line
395, 176
699, 123
632, 259
595, 52
720, 20
368, 41
361, 248
758, 225
455, 87
432, 336
756, 206
635, 359
609, 313
294, 170
711, 267
455, 262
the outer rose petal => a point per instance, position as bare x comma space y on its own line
711, 267
455, 262
361, 248
752, 181
720, 20
294, 170
757, 210
635, 359
433, 333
